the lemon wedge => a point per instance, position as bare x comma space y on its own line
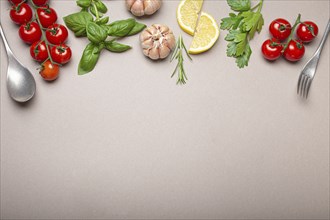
207, 33
187, 15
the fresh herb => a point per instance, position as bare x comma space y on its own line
91, 23
242, 27
178, 55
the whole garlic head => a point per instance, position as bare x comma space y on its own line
143, 7
157, 41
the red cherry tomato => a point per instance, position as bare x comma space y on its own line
307, 31
61, 54
38, 51
271, 49
294, 51
56, 34
15, 1
49, 71
40, 2
21, 13
30, 32
47, 16
280, 29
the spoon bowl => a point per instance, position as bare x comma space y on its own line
21, 85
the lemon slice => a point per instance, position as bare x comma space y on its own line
187, 14
207, 33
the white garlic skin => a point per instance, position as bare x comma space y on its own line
157, 41
143, 7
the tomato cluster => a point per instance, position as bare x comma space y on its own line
47, 38
293, 49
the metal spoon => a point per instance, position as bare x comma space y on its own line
21, 85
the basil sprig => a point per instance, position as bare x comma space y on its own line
91, 23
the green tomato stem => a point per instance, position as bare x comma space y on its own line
298, 21
43, 36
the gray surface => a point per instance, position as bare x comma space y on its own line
126, 142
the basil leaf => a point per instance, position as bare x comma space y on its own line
116, 47
95, 33
103, 21
77, 23
89, 58
83, 3
101, 7
138, 27
121, 28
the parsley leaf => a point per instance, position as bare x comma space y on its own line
239, 5
242, 27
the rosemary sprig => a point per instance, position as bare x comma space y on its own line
178, 55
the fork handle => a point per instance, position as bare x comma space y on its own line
323, 40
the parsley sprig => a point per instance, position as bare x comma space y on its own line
242, 27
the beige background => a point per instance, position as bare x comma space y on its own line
126, 142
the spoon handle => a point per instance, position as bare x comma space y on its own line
9, 52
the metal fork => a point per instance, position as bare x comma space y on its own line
307, 74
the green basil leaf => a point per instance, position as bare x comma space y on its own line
77, 23
101, 7
138, 27
89, 58
116, 47
121, 28
95, 33
103, 21
84, 3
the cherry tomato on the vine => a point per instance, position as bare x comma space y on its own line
15, 1
271, 49
49, 71
47, 16
21, 13
280, 29
40, 2
61, 54
56, 34
295, 51
38, 51
30, 32
307, 31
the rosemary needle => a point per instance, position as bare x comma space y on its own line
178, 55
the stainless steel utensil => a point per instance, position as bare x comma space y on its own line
307, 74
21, 85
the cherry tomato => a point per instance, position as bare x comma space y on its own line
15, 1
40, 2
38, 51
294, 51
280, 29
271, 49
30, 32
56, 34
47, 16
49, 71
21, 13
307, 31
61, 54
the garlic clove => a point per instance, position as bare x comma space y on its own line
137, 8
129, 4
164, 51
145, 35
151, 6
147, 43
154, 53
169, 41
146, 52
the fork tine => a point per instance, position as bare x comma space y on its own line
304, 86
299, 81
308, 87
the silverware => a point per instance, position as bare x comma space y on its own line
307, 74
21, 85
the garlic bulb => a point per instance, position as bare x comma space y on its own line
143, 7
157, 41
